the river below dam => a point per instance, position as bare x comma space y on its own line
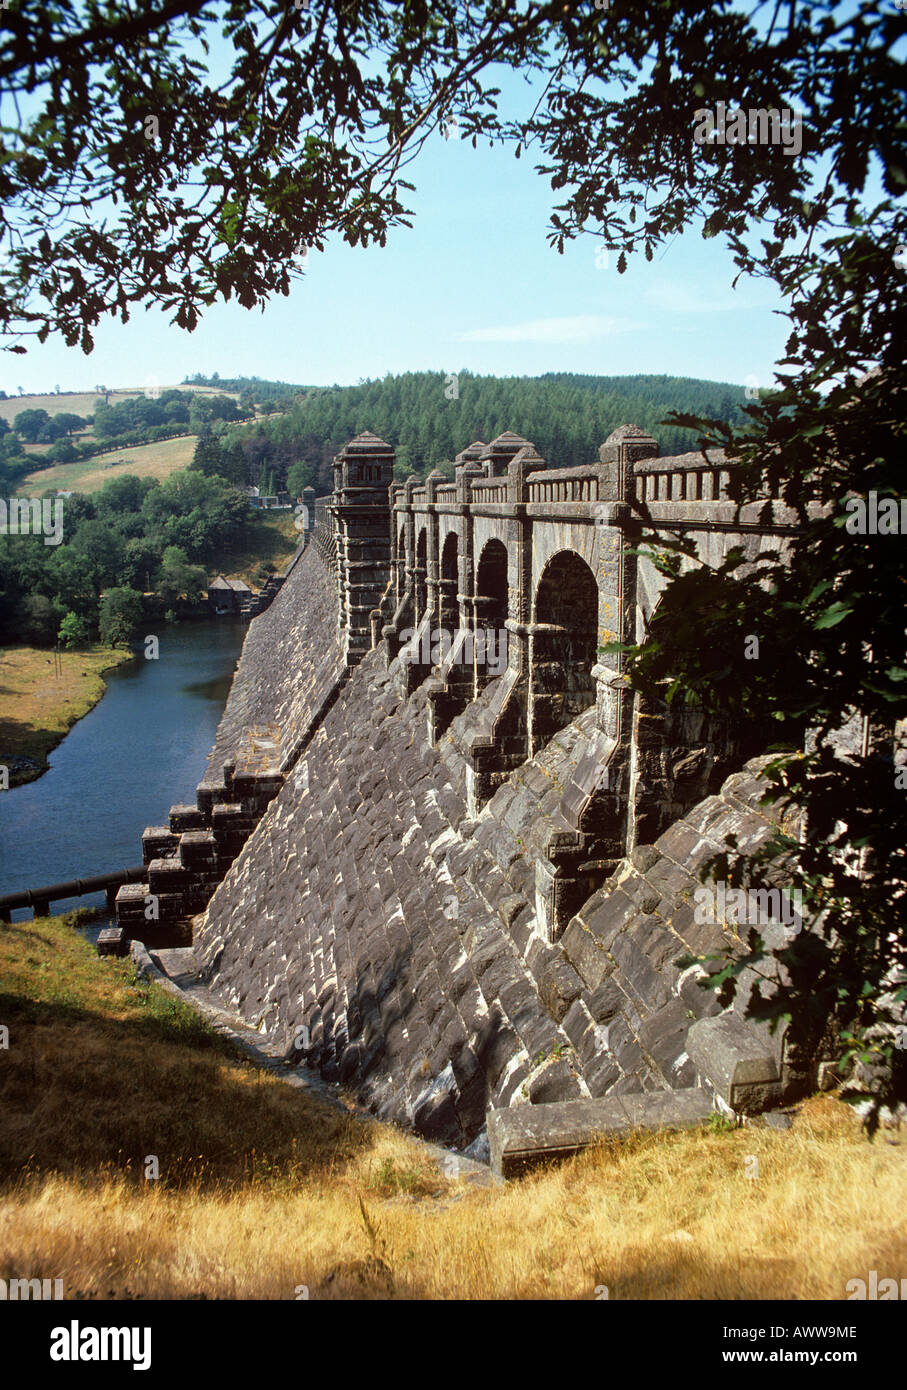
141, 749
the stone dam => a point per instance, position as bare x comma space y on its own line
441, 850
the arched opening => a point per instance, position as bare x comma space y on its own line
564, 645
448, 600
400, 566
491, 609
420, 572
491, 585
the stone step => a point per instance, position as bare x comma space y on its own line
158, 842
231, 816
210, 793
184, 817
524, 1136
112, 942
198, 850
130, 903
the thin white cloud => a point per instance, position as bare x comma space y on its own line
580, 328
674, 298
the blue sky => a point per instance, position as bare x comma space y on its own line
473, 284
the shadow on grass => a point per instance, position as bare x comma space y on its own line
19, 732
26, 930
87, 1095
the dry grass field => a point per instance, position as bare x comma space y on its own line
37, 708
266, 1193
84, 402
74, 402
145, 461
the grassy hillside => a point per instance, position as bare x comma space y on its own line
270, 537
84, 402
263, 1189
144, 461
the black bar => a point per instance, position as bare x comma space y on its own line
77, 888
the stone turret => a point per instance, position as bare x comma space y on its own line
628, 442
623, 447
472, 452
360, 506
496, 456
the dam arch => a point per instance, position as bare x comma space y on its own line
420, 575
491, 584
448, 610
564, 640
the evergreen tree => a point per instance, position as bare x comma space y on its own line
567, 416
233, 464
208, 457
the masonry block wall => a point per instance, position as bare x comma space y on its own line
291, 669
472, 886
536, 566
498, 592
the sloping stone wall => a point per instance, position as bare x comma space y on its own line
363, 910
290, 672
368, 909
289, 666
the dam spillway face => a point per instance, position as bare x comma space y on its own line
441, 851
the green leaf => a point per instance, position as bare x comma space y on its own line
833, 615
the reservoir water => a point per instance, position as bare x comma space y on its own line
141, 749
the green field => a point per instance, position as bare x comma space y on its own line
144, 460
269, 537
39, 703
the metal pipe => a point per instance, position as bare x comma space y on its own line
77, 888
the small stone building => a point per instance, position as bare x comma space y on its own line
227, 595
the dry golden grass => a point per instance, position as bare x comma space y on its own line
144, 461
263, 1190
74, 403
38, 708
